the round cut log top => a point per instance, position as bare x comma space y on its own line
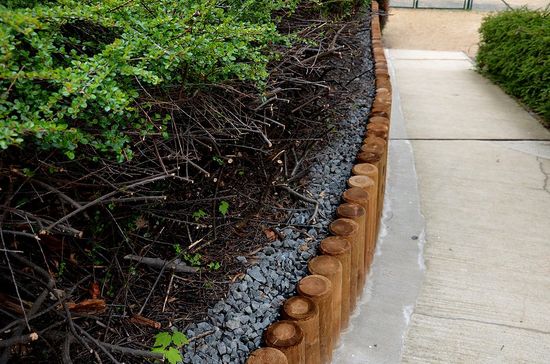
382, 90
267, 356
324, 265
283, 334
344, 227
356, 195
365, 169
299, 308
363, 182
379, 120
314, 286
335, 245
350, 210
369, 157
378, 128
374, 144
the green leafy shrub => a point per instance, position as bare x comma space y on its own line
515, 53
341, 7
72, 71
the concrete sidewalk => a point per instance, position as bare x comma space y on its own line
483, 167
474, 285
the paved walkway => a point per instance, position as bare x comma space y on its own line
462, 271
443, 30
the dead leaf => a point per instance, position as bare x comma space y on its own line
238, 276
144, 321
72, 259
89, 306
94, 290
270, 234
141, 222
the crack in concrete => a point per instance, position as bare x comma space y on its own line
545, 185
536, 331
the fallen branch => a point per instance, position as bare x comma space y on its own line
23, 339
303, 198
126, 350
177, 265
141, 320
104, 197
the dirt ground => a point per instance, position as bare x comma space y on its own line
443, 30
438, 30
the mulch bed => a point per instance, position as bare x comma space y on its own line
74, 232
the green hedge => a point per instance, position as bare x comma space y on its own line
71, 71
515, 53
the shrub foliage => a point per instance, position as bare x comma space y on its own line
515, 53
72, 70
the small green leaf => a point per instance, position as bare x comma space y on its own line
224, 207
162, 340
218, 160
199, 214
214, 265
173, 356
179, 339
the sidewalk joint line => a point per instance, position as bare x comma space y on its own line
537, 331
478, 139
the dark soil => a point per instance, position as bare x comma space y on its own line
202, 200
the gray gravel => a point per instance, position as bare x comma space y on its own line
236, 324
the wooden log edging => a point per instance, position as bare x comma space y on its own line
311, 328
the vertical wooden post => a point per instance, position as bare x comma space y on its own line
319, 289
370, 170
267, 356
306, 314
288, 337
382, 82
331, 268
377, 145
374, 158
349, 230
374, 6
340, 248
358, 214
379, 109
358, 196
367, 184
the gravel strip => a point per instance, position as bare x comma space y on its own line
236, 324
